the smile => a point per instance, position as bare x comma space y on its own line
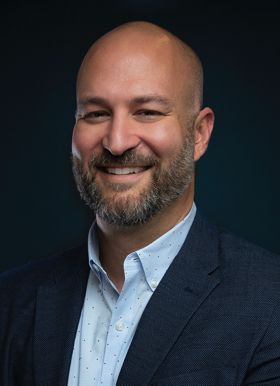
121, 171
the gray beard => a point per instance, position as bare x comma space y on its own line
165, 187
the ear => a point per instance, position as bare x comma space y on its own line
203, 129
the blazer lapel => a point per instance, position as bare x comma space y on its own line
58, 309
189, 280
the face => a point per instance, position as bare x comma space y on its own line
133, 141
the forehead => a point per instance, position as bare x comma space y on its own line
131, 70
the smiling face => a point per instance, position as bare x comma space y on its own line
133, 141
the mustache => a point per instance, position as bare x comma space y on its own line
129, 157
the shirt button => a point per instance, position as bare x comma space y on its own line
154, 283
119, 326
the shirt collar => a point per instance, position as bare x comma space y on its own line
93, 252
155, 258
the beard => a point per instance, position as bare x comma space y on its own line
126, 206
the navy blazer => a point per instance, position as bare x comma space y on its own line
213, 320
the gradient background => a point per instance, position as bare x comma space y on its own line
41, 49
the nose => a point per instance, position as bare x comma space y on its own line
120, 136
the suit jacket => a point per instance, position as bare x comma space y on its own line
213, 320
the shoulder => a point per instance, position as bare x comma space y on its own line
250, 273
243, 264
238, 251
233, 248
42, 271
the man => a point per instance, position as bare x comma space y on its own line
159, 296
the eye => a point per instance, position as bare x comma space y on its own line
148, 114
96, 116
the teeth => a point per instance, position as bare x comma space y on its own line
124, 170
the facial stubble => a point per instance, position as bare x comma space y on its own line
128, 206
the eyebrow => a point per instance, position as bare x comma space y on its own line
91, 101
154, 98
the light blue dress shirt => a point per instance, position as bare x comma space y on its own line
109, 319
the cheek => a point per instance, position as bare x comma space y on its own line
84, 142
164, 140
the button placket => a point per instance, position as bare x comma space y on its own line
119, 326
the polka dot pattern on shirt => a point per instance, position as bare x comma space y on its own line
109, 319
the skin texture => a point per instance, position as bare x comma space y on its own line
139, 90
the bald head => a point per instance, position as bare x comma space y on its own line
148, 40
139, 94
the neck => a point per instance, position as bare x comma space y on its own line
116, 242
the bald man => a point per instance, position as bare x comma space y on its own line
158, 296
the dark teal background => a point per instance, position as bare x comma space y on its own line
41, 49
